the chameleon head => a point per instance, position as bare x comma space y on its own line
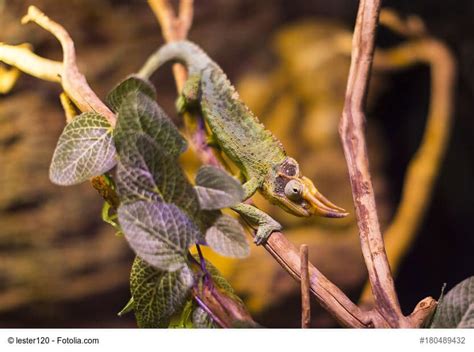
297, 194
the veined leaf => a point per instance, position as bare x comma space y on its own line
158, 294
456, 309
182, 320
159, 233
145, 171
220, 281
201, 319
227, 237
140, 115
85, 149
132, 84
216, 189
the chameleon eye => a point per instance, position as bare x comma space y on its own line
293, 190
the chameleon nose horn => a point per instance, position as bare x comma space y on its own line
320, 205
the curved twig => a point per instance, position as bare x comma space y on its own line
424, 167
72, 81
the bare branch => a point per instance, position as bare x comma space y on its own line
355, 150
305, 302
425, 164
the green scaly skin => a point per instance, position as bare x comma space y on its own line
236, 131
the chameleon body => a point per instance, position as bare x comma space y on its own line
238, 133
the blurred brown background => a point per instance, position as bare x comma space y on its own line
60, 266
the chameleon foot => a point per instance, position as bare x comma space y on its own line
264, 232
264, 223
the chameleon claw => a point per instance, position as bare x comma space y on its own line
258, 241
265, 231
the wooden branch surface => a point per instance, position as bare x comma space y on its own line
352, 132
305, 301
425, 165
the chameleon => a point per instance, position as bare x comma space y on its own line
237, 132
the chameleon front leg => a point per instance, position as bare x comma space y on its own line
189, 96
264, 223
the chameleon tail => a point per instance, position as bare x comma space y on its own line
184, 52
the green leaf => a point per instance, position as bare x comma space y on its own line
145, 171
158, 294
159, 233
132, 84
227, 237
456, 309
182, 320
127, 308
202, 320
216, 189
140, 115
85, 149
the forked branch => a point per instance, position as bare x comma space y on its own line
72, 80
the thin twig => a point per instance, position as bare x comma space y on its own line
327, 294
305, 302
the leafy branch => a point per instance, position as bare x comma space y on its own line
162, 214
